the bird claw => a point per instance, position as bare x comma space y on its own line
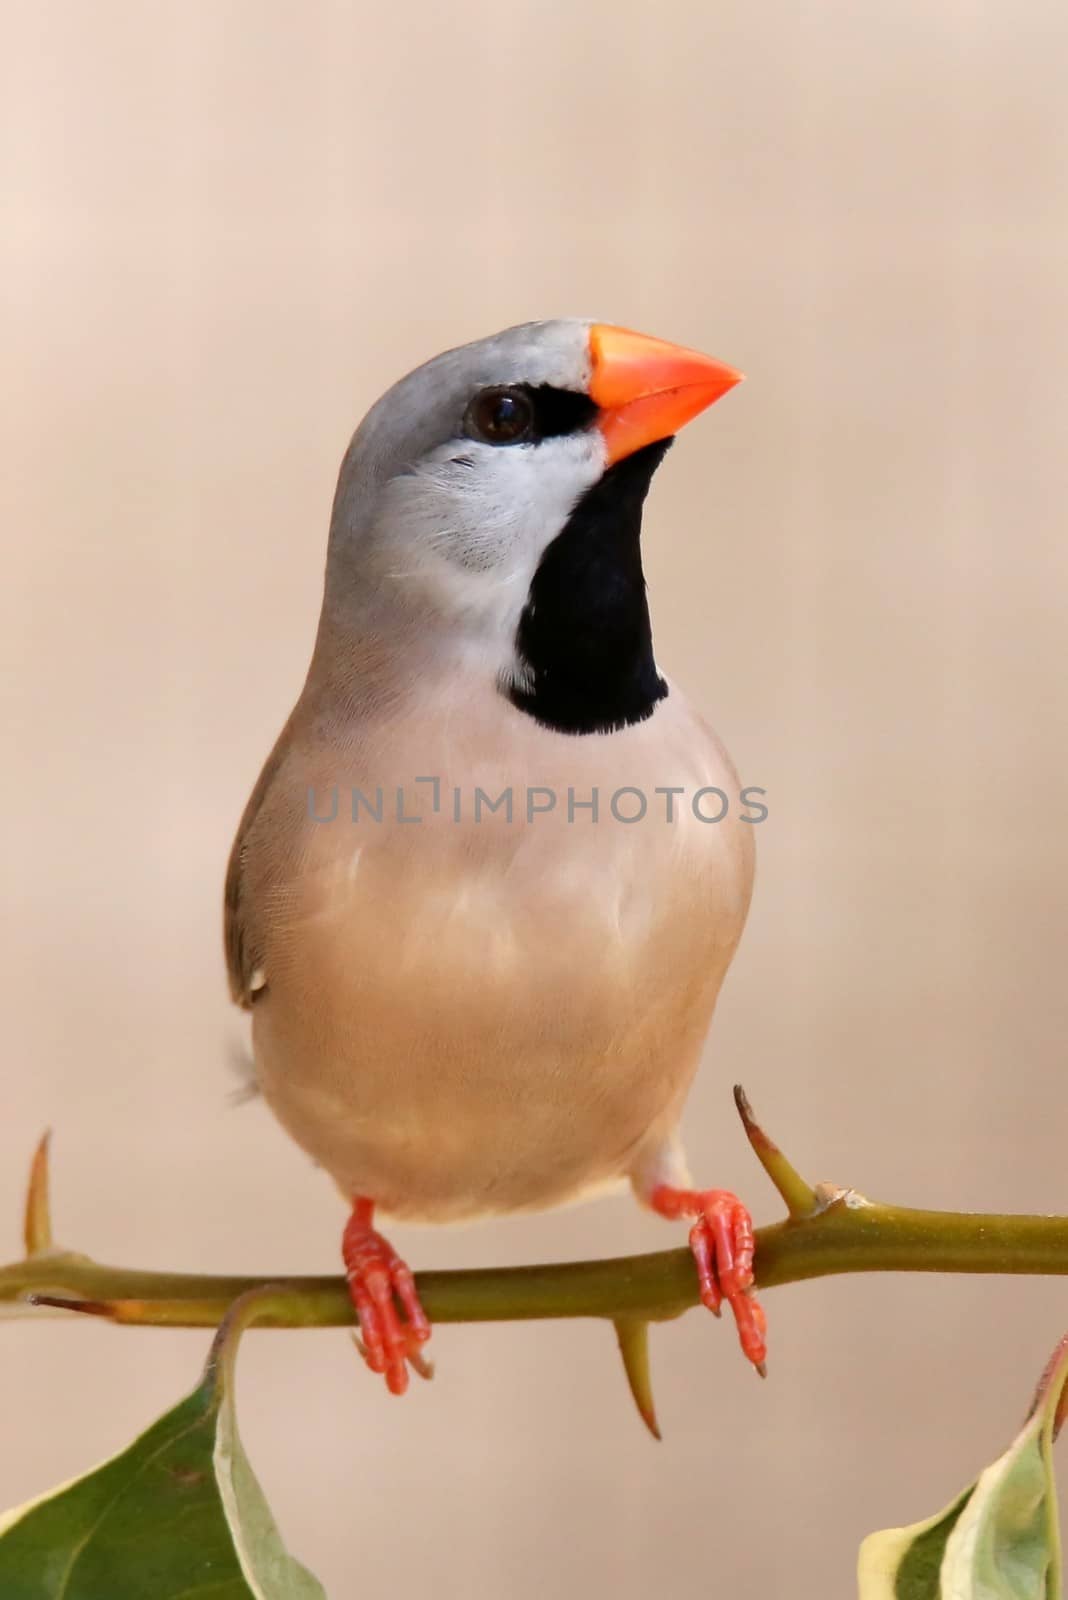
393, 1324
721, 1242
413, 1355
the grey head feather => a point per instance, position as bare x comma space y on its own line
425, 408
434, 538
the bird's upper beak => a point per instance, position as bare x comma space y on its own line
647, 389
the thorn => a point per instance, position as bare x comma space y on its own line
762, 1369
799, 1196
91, 1308
131, 1311
633, 1336
37, 1225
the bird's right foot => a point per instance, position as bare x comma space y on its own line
393, 1324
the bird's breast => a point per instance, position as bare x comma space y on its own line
499, 951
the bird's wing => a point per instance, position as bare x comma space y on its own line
243, 957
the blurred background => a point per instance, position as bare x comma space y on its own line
226, 228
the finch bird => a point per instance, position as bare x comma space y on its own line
482, 898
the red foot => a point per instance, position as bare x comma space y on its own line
378, 1280
722, 1243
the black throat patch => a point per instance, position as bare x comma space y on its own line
584, 635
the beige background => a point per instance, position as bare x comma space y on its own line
226, 227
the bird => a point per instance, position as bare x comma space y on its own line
489, 882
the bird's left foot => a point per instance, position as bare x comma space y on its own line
392, 1320
721, 1240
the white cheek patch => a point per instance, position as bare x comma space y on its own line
472, 522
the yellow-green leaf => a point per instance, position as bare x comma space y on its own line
177, 1514
999, 1540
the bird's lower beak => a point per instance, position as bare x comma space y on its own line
646, 389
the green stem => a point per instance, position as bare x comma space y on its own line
849, 1234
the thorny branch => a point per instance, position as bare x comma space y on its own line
827, 1230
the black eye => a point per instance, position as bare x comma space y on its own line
500, 416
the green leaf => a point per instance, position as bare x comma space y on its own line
999, 1539
179, 1515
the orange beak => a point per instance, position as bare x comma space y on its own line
646, 389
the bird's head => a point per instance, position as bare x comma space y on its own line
495, 495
